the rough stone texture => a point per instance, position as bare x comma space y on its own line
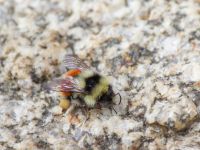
150, 50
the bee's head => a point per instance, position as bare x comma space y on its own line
109, 95
107, 98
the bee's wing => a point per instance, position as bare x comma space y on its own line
64, 85
74, 62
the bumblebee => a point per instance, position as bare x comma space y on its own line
82, 82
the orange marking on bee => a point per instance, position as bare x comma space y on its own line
65, 94
73, 72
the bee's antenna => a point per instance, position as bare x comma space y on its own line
120, 98
113, 109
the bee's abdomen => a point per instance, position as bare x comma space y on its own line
91, 82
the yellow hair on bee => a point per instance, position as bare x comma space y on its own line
90, 100
101, 88
104, 82
81, 82
98, 90
87, 73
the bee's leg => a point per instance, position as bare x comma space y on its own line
112, 108
64, 102
120, 98
87, 113
71, 109
98, 106
85, 110
72, 117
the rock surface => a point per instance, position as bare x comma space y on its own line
150, 50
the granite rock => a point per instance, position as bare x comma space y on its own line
149, 50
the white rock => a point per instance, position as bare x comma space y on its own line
191, 72
170, 46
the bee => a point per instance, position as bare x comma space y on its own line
82, 82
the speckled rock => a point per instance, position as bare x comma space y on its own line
149, 50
